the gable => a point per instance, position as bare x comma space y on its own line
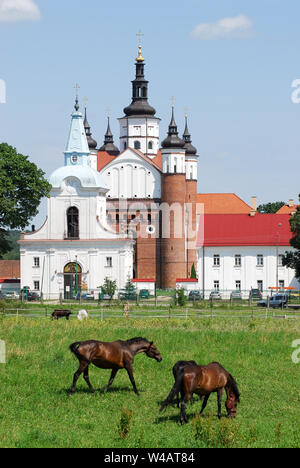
132, 175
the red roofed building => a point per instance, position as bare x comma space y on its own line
240, 252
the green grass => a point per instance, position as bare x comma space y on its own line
35, 410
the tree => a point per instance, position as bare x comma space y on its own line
292, 259
130, 290
193, 272
180, 297
272, 207
109, 287
22, 186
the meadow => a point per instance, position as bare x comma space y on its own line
36, 411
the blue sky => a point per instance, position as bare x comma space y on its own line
234, 76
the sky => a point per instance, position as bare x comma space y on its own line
232, 63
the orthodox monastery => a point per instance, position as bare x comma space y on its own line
133, 210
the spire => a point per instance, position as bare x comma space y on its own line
109, 146
91, 142
140, 105
189, 148
173, 140
77, 149
76, 107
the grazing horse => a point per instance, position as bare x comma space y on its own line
204, 380
116, 355
57, 314
176, 370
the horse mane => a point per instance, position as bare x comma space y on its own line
234, 388
137, 340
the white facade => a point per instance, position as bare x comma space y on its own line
141, 134
242, 268
173, 161
75, 244
130, 176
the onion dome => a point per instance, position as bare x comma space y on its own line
139, 105
189, 148
109, 146
91, 142
173, 140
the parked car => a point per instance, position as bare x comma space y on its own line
32, 296
236, 295
10, 295
126, 296
256, 294
215, 296
195, 296
144, 294
85, 296
276, 301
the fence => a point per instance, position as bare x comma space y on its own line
106, 313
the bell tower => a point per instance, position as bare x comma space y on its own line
139, 128
173, 244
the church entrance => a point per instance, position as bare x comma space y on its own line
72, 280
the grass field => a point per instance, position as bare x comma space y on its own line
35, 410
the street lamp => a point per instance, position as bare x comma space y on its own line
277, 256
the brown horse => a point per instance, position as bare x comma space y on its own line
204, 380
116, 355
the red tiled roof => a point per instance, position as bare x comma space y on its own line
158, 160
143, 281
239, 230
223, 203
286, 209
103, 159
186, 280
10, 269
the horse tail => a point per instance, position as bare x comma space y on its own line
74, 349
175, 389
234, 387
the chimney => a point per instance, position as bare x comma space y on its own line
254, 207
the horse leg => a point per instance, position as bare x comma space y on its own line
86, 378
220, 394
112, 378
130, 374
204, 403
184, 401
77, 374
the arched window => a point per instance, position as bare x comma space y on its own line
150, 145
137, 145
73, 223
125, 145
144, 92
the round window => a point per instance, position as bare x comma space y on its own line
151, 229
74, 159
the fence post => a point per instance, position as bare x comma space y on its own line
60, 298
155, 298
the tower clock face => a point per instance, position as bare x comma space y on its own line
74, 159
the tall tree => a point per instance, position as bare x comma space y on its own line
292, 259
272, 207
22, 186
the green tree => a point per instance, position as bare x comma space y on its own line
130, 289
180, 297
22, 186
109, 287
193, 272
272, 207
292, 259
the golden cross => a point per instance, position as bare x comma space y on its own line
186, 110
108, 111
85, 101
140, 35
173, 101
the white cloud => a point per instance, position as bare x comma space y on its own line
18, 10
239, 26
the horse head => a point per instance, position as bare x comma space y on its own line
153, 353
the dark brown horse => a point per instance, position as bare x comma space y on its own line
204, 380
177, 369
116, 355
